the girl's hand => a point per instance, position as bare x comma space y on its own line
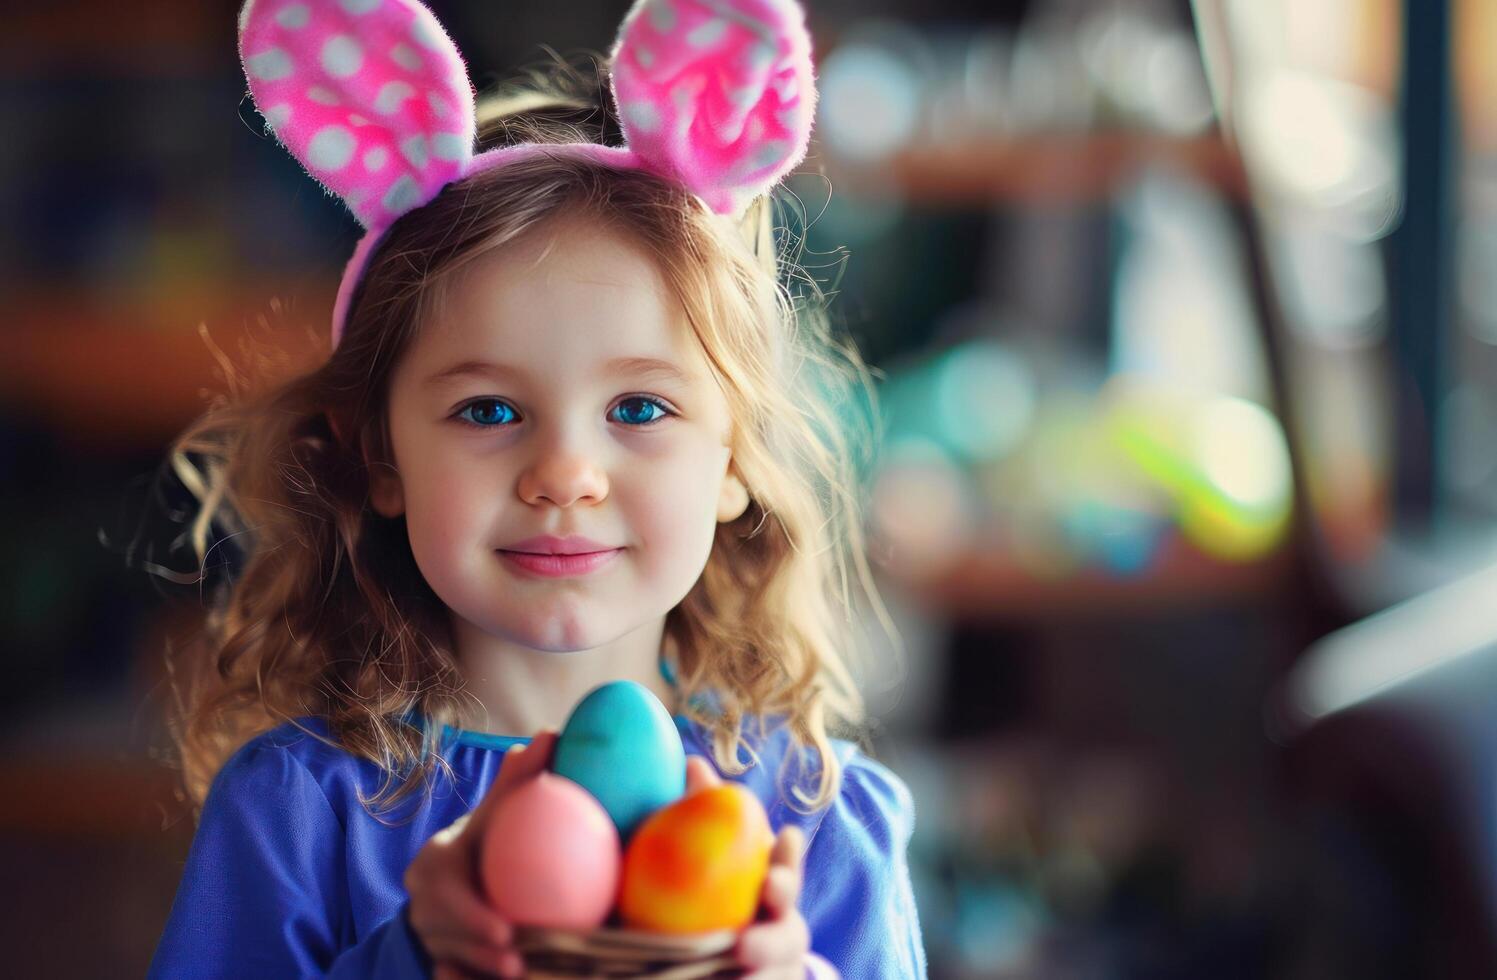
778, 947
462, 934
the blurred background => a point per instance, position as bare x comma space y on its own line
1186, 321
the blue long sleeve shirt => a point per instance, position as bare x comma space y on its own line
289, 876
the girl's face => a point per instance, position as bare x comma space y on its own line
559, 391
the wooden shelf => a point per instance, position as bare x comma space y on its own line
1053, 168
88, 796
144, 39
122, 372
986, 583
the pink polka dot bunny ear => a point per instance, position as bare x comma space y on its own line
374, 100
371, 96
718, 93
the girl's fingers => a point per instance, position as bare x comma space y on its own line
700, 775
781, 889
774, 944
789, 846
524, 761
512, 965
783, 883
450, 908
509, 770
452, 832
449, 970
465, 914
474, 920
509, 774
519, 764
466, 956
542, 746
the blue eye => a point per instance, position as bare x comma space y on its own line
486, 413
636, 410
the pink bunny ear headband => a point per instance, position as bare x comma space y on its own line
373, 99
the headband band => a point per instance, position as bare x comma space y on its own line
374, 100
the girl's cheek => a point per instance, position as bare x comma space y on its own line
448, 514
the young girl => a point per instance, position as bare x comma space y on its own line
571, 430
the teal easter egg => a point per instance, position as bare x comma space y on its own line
621, 745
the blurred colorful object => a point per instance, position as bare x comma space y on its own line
1223, 462
1090, 480
976, 401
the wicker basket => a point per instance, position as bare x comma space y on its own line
551, 954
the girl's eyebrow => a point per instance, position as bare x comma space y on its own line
620, 365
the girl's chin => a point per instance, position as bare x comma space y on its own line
557, 635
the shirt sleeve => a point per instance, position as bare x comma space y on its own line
263, 893
857, 897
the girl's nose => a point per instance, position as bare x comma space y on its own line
564, 479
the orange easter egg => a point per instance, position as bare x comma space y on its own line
698, 864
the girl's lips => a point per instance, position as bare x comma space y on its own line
560, 566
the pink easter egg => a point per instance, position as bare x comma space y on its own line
551, 856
